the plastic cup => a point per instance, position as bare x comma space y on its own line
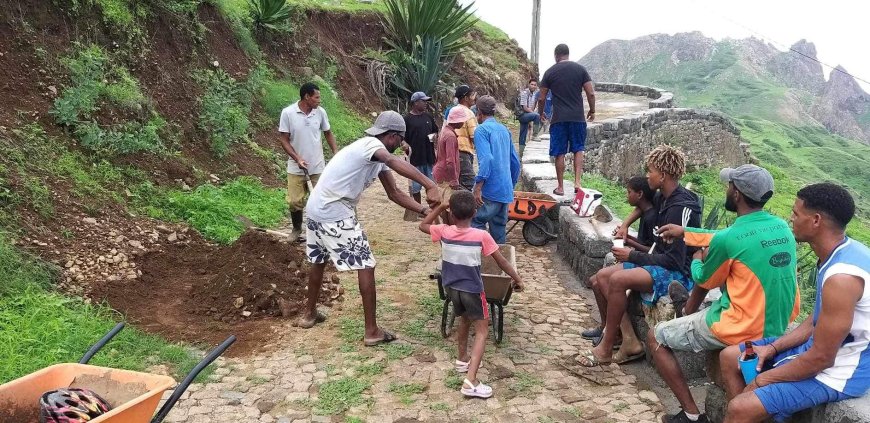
748, 368
618, 243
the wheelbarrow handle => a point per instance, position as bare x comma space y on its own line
179, 390
101, 343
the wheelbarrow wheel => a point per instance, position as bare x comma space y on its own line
496, 315
447, 319
537, 231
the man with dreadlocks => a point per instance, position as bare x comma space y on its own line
649, 273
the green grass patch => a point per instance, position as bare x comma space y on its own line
39, 328
369, 370
238, 15
405, 391
441, 406
346, 125
353, 6
524, 383
397, 351
337, 396
453, 380
226, 105
492, 32
212, 210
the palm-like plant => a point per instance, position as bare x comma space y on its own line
271, 14
424, 36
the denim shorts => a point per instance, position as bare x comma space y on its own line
688, 333
426, 170
662, 278
781, 400
567, 136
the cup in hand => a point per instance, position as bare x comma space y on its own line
748, 368
618, 243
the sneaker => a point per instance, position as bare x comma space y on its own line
480, 391
462, 366
679, 295
682, 418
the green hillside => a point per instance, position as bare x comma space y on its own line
764, 110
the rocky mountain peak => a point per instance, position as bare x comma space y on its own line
798, 67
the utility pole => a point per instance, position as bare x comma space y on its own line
536, 30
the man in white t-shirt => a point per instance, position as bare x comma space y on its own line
299, 128
334, 233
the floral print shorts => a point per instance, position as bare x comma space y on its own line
342, 242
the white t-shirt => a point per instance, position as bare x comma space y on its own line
343, 181
304, 133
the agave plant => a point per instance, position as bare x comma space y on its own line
408, 22
271, 14
423, 37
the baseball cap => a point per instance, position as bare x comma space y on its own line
459, 114
486, 105
387, 121
752, 181
420, 95
462, 91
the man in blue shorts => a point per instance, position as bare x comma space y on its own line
826, 358
567, 80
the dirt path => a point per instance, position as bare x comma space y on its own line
326, 375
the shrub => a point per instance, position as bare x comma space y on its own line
224, 110
271, 14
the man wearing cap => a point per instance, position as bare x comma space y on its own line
333, 231
754, 261
465, 97
495, 181
421, 127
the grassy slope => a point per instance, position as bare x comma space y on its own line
797, 155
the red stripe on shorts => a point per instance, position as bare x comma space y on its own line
484, 305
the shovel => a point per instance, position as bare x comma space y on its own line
308, 180
250, 225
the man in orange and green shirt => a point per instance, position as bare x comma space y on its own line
754, 262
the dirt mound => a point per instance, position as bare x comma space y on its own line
203, 293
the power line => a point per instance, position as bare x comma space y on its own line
783, 46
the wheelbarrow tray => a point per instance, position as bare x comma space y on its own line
496, 283
529, 205
25, 391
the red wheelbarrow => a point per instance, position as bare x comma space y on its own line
23, 394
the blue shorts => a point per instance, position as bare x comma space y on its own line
565, 136
662, 278
781, 400
426, 170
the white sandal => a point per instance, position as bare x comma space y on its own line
479, 391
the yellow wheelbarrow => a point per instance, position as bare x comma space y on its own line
20, 398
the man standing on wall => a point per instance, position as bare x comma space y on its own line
420, 126
299, 130
529, 115
567, 80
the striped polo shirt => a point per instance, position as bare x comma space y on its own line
754, 261
462, 251
850, 373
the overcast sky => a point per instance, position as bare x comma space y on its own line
840, 29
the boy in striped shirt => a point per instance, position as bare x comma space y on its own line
462, 250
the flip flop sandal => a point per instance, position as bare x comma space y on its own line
592, 334
588, 359
308, 324
556, 191
620, 358
385, 339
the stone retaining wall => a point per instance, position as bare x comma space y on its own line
658, 98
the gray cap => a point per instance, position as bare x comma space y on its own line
419, 95
387, 121
486, 105
752, 181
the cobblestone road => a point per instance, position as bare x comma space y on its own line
326, 375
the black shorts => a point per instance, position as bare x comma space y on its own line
468, 304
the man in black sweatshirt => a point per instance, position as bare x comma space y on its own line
650, 273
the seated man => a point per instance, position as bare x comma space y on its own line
826, 358
639, 195
649, 273
753, 261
